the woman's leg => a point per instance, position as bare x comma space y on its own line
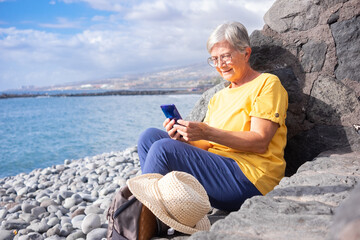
146, 140
221, 177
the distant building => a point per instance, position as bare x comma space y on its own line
86, 86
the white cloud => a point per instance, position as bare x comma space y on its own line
62, 23
154, 11
136, 37
107, 5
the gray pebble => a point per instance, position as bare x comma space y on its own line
55, 237
90, 222
96, 234
47, 202
3, 213
53, 221
93, 209
77, 220
89, 198
66, 229
64, 220
76, 235
15, 209
65, 194
55, 230
10, 190
39, 227
33, 236
22, 191
15, 224
27, 217
26, 207
6, 234
36, 211
69, 202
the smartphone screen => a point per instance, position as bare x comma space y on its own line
171, 111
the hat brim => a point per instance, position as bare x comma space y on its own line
142, 188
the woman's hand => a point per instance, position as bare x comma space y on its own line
185, 131
171, 130
191, 131
188, 132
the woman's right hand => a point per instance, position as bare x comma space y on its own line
168, 125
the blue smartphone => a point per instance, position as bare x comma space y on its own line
171, 111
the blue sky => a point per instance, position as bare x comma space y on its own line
50, 42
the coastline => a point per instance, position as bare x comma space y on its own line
102, 93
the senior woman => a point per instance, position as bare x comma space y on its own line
238, 151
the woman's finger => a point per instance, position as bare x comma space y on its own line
166, 122
172, 133
169, 125
183, 122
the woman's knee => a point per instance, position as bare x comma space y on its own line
164, 146
149, 133
162, 156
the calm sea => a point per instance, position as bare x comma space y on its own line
41, 132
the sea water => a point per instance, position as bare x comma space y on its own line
44, 131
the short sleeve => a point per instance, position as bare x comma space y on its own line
271, 102
207, 116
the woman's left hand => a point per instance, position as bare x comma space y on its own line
191, 131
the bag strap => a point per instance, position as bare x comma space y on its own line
162, 228
124, 206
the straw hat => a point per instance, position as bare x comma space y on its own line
177, 199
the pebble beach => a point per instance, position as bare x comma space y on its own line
67, 201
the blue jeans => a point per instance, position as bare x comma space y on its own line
222, 178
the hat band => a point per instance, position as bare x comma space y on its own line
161, 200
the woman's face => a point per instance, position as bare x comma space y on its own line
235, 69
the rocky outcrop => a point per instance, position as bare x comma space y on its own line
319, 43
346, 223
301, 206
313, 47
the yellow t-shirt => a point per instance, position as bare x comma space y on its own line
232, 108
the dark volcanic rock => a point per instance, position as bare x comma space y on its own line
314, 56
332, 103
293, 15
309, 144
347, 39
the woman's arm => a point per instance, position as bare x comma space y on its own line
256, 140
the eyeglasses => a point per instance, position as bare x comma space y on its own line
214, 61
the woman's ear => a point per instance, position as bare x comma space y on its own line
247, 53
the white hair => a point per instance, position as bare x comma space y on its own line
234, 32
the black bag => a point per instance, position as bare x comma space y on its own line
129, 219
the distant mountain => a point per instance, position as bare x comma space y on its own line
187, 77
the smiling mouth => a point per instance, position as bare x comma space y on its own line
226, 71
